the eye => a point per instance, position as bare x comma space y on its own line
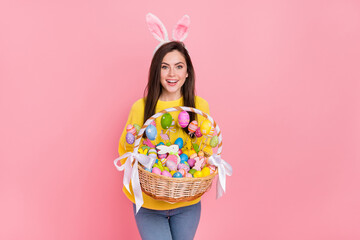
179, 66
164, 67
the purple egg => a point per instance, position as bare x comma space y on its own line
191, 162
171, 165
130, 139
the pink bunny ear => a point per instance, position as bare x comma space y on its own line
181, 29
156, 27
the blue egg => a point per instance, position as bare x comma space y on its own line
184, 162
184, 157
160, 143
179, 142
149, 170
177, 175
151, 132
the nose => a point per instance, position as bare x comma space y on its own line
171, 71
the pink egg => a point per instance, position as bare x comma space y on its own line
172, 158
189, 175
130, 128
171, 165
183, 119
193, 126
156, 170
161, 156
198, 133
166, 173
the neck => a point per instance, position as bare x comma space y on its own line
169, 97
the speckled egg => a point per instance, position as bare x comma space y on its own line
131, 129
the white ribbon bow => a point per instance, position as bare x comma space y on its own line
131, 173
224, 169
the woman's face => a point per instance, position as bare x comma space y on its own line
173, 75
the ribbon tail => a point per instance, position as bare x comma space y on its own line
136, 187
219, 190
127, 173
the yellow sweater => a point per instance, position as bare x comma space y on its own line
137, 116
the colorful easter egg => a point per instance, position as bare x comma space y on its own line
160, 143
184, 157
193, 126
198, 174
137, 127
130, 139
172, 173
184, 162
205, 127
171, 165
130, 128
172, 158
205, 171
198, 133
151, 132
200, 153
192, 171
212, 131
156, 170
180, 142
183, 172
152, 153
196, 147
180, 151
162, 156
166, 173
183, 119
191, 162
183, 166
177, 175
214, 141
147, 169
153, 123
166, 120
189, 175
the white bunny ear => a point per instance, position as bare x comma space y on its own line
181, 29
156, 28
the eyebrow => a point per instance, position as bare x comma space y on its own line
175, 63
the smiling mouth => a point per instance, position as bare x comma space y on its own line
171, 82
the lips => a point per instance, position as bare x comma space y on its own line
171, 82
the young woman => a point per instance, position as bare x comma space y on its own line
171, 83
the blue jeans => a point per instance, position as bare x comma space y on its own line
179, 223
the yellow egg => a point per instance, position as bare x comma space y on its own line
205, 171
192, 152
198, 174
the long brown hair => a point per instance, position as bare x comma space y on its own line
153, 89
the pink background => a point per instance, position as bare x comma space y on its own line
282, 81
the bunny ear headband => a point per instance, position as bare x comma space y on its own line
158, 30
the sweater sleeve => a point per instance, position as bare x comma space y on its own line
136, 115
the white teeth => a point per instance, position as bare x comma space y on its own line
169, 81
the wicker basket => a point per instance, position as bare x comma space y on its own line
174, 189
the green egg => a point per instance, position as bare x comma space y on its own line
192, 171
214, 141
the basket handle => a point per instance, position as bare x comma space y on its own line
174, 109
